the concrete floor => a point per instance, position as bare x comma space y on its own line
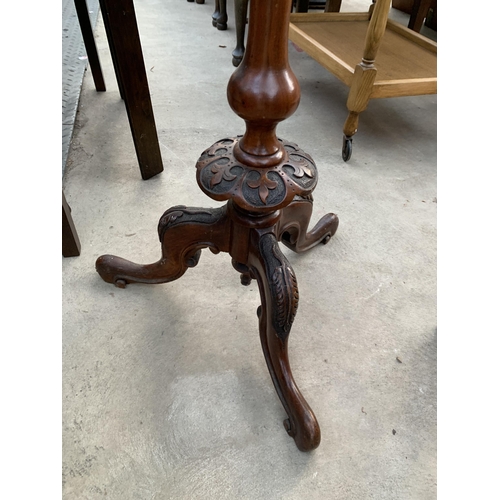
166, 394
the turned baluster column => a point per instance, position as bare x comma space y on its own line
263, 90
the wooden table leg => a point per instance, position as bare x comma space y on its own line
70, 241
125, 43
88, 39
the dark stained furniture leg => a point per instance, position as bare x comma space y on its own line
240, 21
124, 39
88, 39
219, 17
70, 241
111, 45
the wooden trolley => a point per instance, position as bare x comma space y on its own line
406, 62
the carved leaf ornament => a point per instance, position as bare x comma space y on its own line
263, 184
221, 172
222, 177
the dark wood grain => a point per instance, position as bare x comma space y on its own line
125, 45
90, 46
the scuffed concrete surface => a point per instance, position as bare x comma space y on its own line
166, 394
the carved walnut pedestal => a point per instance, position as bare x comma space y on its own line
268, 185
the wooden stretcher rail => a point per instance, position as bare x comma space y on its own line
403, 88
328, 17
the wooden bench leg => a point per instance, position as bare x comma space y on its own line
112, 49
88, 39
125, 43
70, 241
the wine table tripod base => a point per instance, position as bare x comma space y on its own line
251, 239
268, 184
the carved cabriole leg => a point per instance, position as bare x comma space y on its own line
280, 300
295, 221
183, 233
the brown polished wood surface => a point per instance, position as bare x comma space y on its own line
267, 183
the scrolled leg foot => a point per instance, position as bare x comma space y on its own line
295, 221
183, 233
279, 295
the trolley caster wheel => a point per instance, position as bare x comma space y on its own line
347, 148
